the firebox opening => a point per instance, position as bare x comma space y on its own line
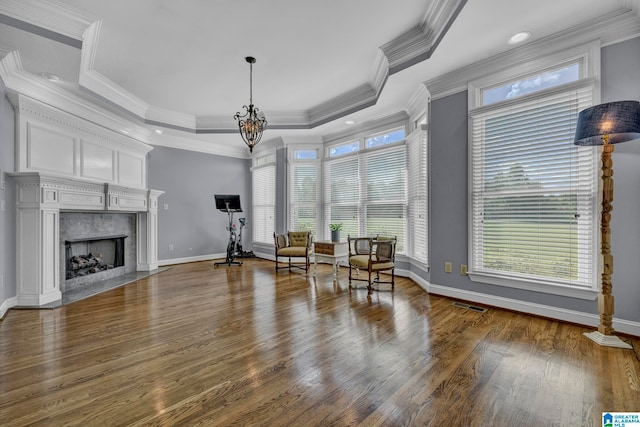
94, 254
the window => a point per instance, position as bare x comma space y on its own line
339, 150
535, 83
384, 194
342, 194
366, 192
264, 198
303, 184
384, 138
417, 194
533, 191
305, 154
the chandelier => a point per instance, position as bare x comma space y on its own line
251, 124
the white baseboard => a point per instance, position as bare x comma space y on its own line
270, 257
581, 318
172, 261
6, 305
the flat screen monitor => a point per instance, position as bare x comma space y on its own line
233, 202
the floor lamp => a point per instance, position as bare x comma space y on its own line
607, 124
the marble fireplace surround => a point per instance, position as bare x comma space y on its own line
41, 198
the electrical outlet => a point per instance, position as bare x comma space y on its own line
447, 267
166, 206
3, 183
170, 247
463, 269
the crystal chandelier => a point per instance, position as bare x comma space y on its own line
251, 124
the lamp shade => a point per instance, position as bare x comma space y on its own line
618, 121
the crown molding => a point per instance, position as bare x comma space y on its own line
51, 15
380, 72
172, 119
418, 43
192, 144
608, 29
100, 85
356, 99
419, 101
414, 46
19, 81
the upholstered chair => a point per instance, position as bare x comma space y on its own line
373, 255
295, 244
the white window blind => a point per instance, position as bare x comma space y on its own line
342, 194
366, 192
385, 194
534, 191
303, 184
264, 203
417, 195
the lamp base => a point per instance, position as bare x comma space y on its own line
606, 340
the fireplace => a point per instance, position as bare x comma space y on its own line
53, 209
76, 161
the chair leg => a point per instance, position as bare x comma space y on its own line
393, 279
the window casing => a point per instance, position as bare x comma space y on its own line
264, 198
533, 222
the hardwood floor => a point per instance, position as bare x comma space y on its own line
198, 345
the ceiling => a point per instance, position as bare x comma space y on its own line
180, 67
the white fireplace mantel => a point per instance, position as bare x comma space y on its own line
39, 200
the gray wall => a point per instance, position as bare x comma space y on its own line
449, 189
7, 217
282, 194
189, 179
621, 81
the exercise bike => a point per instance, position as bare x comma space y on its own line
229, 204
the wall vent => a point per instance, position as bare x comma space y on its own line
469, 307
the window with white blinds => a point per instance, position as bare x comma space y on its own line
384, 207
342, 194
366, 192
533, 200
418, 196
303, 184
264, 202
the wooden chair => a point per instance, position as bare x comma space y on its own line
295, 244
372, 255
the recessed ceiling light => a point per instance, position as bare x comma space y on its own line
158, 131
51, 77
519, 37
349, 122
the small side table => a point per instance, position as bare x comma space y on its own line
332, 252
